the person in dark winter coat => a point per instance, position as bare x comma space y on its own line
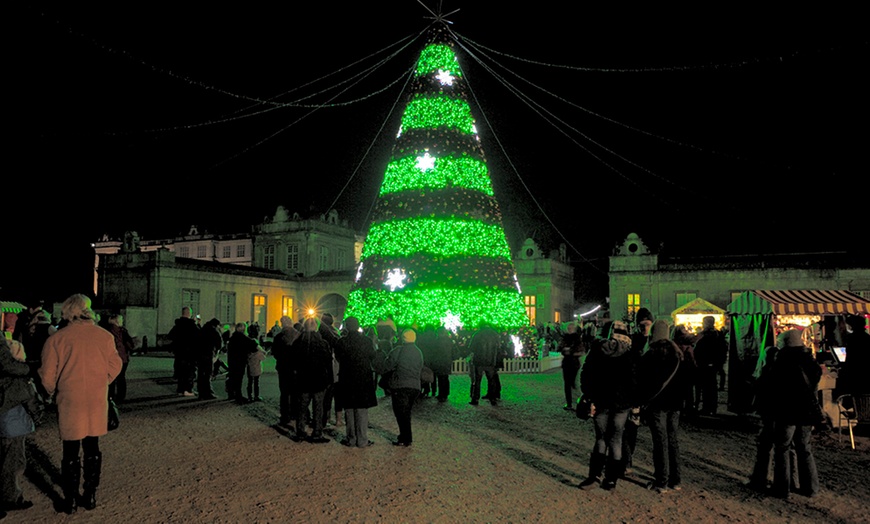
442, 362
311, 361
766, 410
640, 340
207, 349
15, 424
184, 336
793, 395
356, 383
331, 335
572, 349
711, 352
607, 379
281, 345
661, 387
853, 375
239, 348
124, 345
485, 346
686, 342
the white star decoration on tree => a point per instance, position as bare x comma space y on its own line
518, 345
395, 279
426, 162
451, 321
444, 77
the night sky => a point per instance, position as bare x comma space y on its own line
705, 131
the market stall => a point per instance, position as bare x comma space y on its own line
758, 315
7, 307
691, 315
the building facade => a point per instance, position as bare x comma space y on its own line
285, 266
546, 283
639, 277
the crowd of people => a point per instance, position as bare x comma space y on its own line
651, 374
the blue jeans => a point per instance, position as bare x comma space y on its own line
801, 436
664, 428
609, 427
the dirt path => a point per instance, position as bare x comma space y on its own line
184, 460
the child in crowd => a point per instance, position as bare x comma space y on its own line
255, 369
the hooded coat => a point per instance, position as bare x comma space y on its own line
792, 386
78, 363
607, 377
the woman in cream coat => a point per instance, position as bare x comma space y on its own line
78, 364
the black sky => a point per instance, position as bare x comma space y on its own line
722, 129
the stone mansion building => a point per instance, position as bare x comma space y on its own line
287, 265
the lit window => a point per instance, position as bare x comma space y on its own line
531, 308
287, 307
633, 301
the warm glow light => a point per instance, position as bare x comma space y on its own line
695, 322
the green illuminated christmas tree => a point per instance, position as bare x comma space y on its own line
436, 252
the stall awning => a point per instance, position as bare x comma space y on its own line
11, 307
799, 302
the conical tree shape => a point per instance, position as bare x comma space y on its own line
436, 252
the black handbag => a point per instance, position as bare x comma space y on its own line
114, 418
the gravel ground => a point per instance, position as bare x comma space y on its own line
184, 460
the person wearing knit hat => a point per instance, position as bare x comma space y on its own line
404, 364
607, 379
662, 381
792, 395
